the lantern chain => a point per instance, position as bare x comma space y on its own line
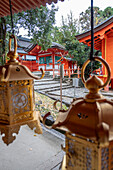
92, 37
12, 25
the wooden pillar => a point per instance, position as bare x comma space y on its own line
103, 54
24, 57
37, 58
20, 58
53, 59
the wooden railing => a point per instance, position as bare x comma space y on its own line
33, 66
67, 72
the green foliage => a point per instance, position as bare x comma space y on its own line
91, 67
107, 12
65, 35
99, 16
45, 104
2, 40
39, 23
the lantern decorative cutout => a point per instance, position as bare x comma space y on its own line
17, 97
88, 124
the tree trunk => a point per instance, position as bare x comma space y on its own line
2, 41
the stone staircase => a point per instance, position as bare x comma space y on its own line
49, 85
47, 74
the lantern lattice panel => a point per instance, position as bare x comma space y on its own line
21, 105
82, 154
111, 156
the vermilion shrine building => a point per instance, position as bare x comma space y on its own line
103, 41
34, 58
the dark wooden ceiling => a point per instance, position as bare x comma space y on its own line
21, 5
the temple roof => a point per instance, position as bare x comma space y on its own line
23, 42
100, 31
57, 45
25, 45
23, 5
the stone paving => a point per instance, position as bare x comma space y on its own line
32, 152
68, 91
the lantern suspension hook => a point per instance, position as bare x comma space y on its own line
12, 25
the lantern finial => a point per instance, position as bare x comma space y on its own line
94, 84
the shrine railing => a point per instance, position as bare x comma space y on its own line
53, 69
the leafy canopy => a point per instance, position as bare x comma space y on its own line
99, 16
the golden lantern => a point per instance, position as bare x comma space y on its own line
16, 97
88, 124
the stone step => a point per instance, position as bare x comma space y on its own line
44, 80
39, 73
55, 88
49, 86
45, 83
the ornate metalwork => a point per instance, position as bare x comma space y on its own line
89, 127
17, 100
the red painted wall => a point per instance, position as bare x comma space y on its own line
109, 53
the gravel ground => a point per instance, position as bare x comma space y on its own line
44, 105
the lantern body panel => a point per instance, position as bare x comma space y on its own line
86, 155
4, 117
16, 101
17, 107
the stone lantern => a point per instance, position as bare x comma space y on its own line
16, 97
88, 124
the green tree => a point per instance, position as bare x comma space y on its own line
85, 18
2, 40
39, 23
99, 16
107, 12
65, 35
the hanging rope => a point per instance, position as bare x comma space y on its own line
92, 33
12, 26
92, 37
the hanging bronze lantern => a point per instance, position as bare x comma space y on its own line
17, 97
88, 124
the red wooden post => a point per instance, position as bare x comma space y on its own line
24, 57
53, 58
69, 72
53, 73
45, 67
37, 58
78, 72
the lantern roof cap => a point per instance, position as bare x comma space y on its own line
13, 70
